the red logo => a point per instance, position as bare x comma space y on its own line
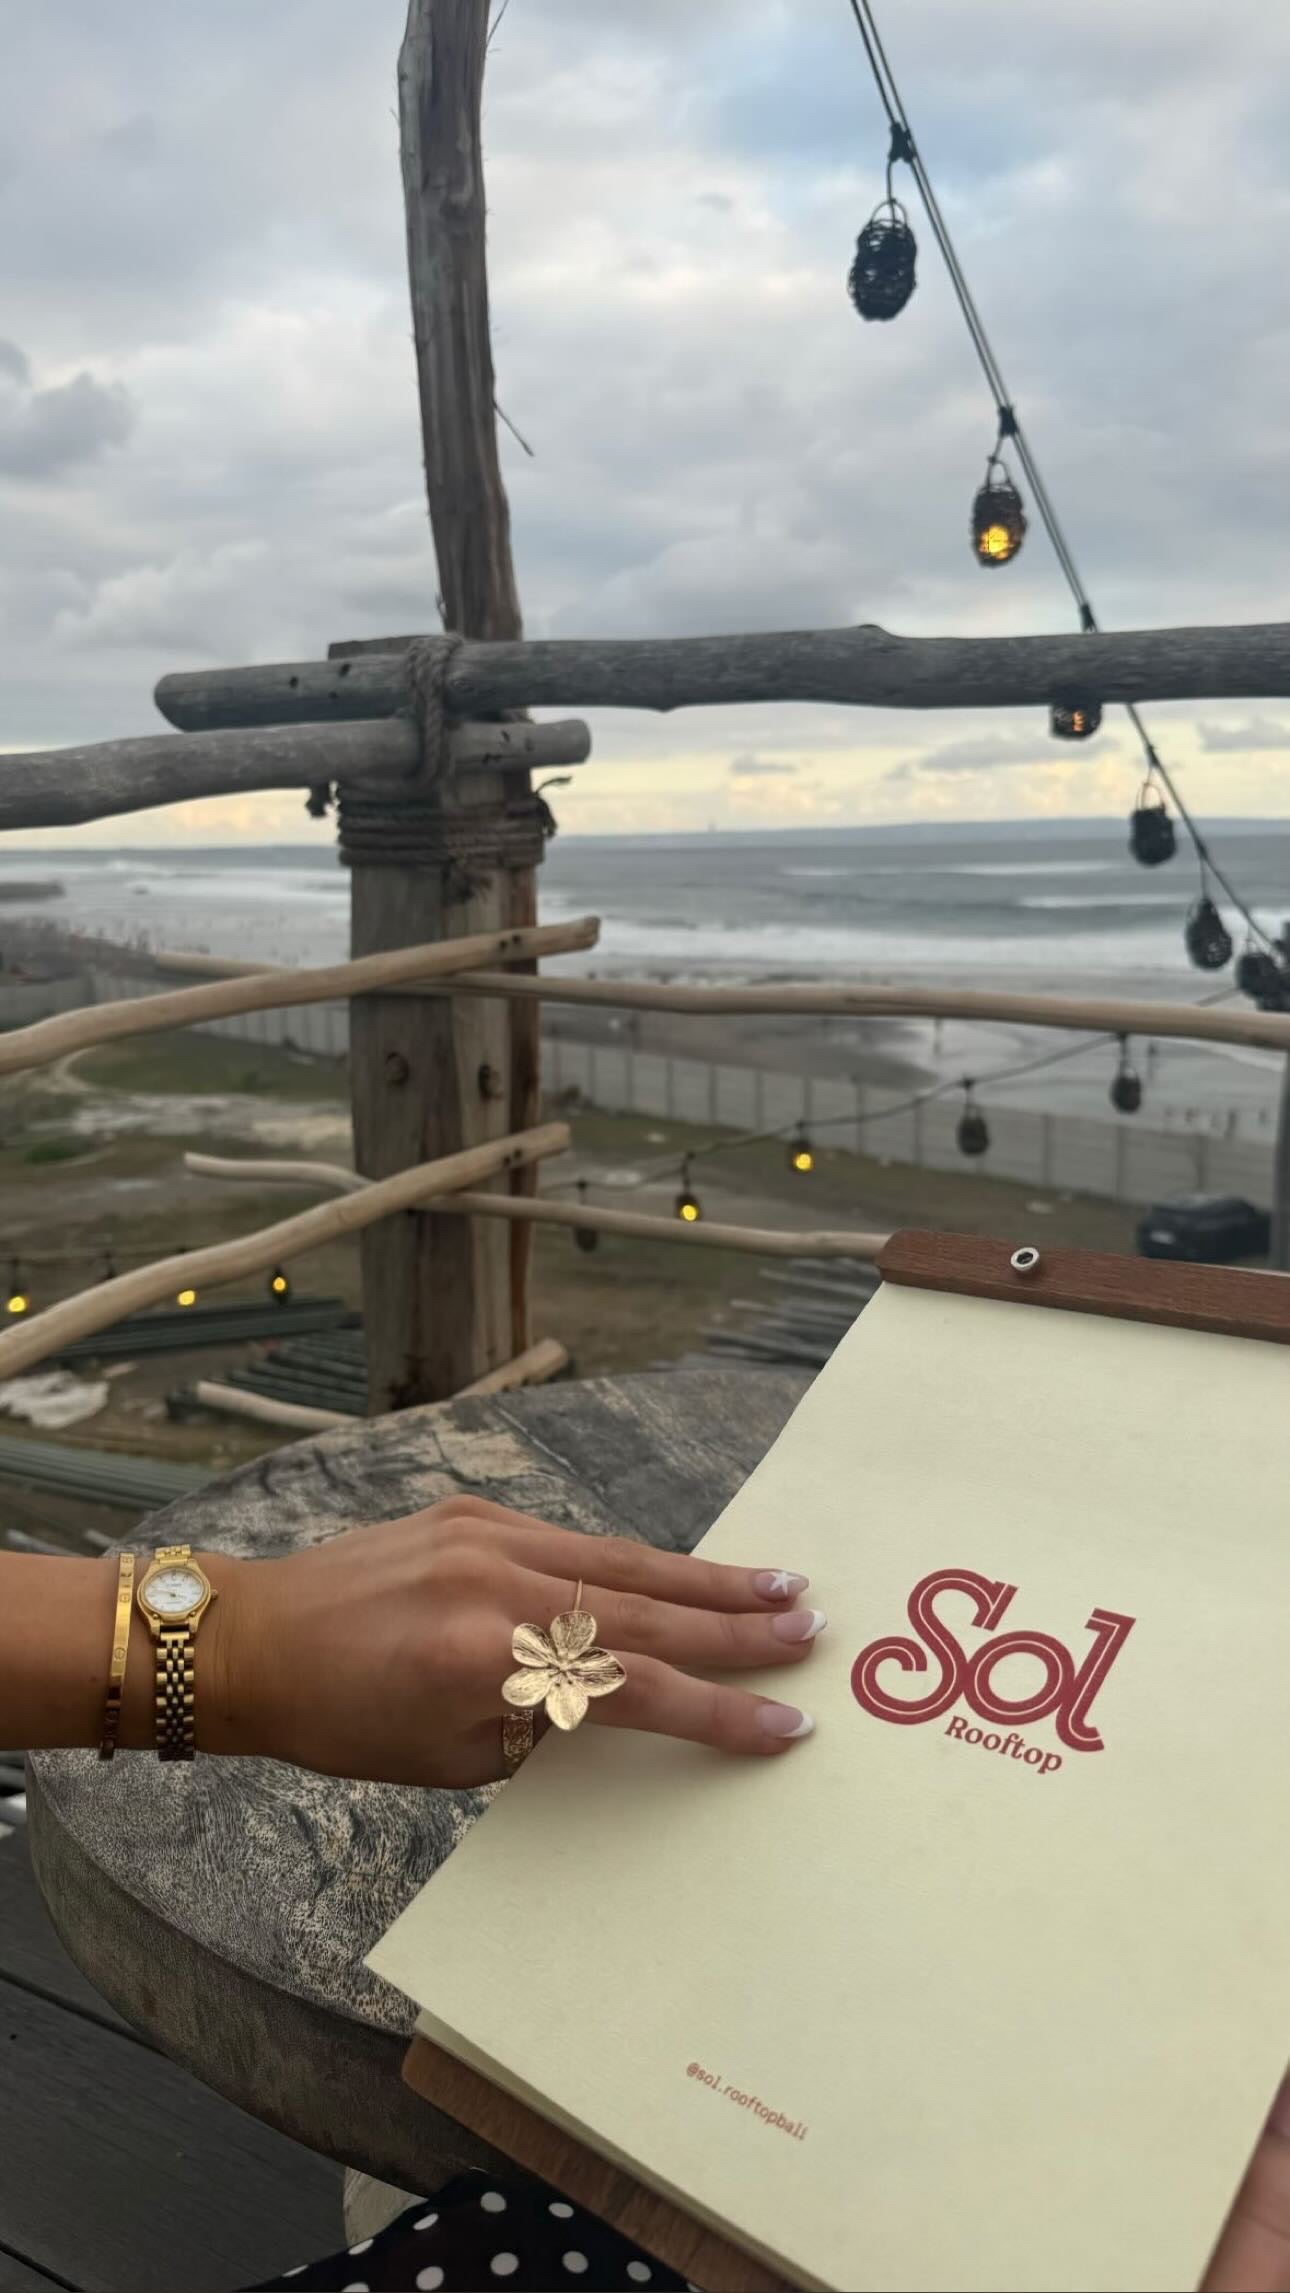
1066, 1693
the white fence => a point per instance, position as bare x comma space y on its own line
1117, 1156
22, 1002
321, 1029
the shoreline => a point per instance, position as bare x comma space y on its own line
1223, 1089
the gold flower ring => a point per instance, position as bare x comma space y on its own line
562, 1670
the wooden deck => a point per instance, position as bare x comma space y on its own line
118, 2170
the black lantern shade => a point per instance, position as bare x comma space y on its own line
1074, 720
1259, 975
881, 278
972, 1136
585, 1237
998, 517
687, 1206
1151, 831
801, 1154
1126, 1084
1206, 936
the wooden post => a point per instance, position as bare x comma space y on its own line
441, 73
1280, 1251
445, 1300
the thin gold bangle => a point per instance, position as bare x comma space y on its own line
120, 1657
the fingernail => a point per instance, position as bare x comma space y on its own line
779, 1584
799, 1624
784, 1720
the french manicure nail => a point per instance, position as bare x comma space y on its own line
779, 1584
784, 1720
799, 1624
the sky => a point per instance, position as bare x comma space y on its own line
208, 429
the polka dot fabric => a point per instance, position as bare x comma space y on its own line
478, 2233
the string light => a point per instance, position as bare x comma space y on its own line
585, 1237
1151, 830
279, 1286
801, 1154
1126, 1083
881, 278
993, 542
657, 1172
18, 1301
998, 513
1261, 977
687, 1206
1074, 720
187, 1295
973, 1135
1206, 936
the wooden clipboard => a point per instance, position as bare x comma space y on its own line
1219, 1299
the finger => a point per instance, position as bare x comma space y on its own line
668, 1703
619, 1565
711, 1641
1253, 2253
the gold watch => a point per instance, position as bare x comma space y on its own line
174, 1596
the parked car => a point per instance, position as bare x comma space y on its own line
1210, 1229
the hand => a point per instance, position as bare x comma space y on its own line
1253, 2253
382, 1652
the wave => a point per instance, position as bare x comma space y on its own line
1128, 904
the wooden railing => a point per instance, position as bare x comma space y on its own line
457, 1185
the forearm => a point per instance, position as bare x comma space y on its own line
56, 1624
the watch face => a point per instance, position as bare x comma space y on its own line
173, 1592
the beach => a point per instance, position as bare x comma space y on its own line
1045, 907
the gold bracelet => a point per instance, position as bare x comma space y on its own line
120, 1657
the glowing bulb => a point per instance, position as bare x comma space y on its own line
18, 1302
279, 1286
688, 1210
186, 1297
996, 542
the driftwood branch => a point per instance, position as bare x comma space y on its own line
866, 665
331, 1176
62, 787
264, 1409
534, 1366
110, 1302
1097, 1015
49, 1039
762, 1241
759, 1241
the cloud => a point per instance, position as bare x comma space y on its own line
749, 767
43, 432
209, 443
976, 752
1259, 733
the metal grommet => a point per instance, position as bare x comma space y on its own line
1024, 1261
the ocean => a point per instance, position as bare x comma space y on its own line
1053, 905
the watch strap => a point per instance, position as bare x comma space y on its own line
175, 1728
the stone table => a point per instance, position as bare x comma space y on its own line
226, 1908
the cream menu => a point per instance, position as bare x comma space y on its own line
987, 1985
